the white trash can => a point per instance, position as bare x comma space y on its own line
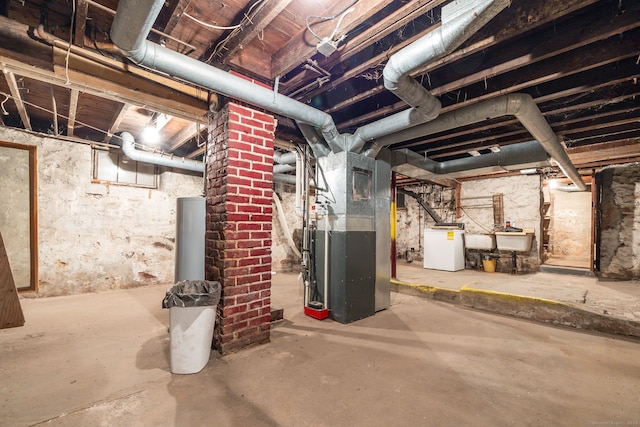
191, 335
192, 314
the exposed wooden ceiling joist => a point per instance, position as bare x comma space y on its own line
17, 97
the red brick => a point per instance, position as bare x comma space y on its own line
259, 269
263, 133
255, 141
260, 235
260, 320
247, 280
255, 304
250, 226
249, 244
249, 331
246, 298
263, 184
232, 327
263, 167
266, 276
235, 198
235, 180
261, 201
259, 286
237, 254
239, 317
258, 218
249, 208
251, 157
265, 293
250, 174
251, 122
236, 290
239, 145
248, 261
265, 310
239, 217
231, 310
259, 252
239, 163
266, 118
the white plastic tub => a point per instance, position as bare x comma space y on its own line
480, 241
191, 335
514, 241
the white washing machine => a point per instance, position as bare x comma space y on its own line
444, 249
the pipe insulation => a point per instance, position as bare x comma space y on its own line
129, 149
161, 159
285, 226
520, 105
460, 20
131, 25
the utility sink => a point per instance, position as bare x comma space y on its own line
516, 241
480, 241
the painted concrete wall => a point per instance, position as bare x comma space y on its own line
94, 236
283, 258
14, 212
522, 200
412, 220
570, 224
620, 222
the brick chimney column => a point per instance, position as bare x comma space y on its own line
239, 191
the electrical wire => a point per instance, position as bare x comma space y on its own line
4, 110
248, 18
211, 26
340, 14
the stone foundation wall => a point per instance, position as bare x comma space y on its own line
95, 237
620, 222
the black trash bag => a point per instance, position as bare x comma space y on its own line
192, 293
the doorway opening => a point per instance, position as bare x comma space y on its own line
18, 208
567, 226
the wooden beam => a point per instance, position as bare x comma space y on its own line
73, 109
117, 119
107, 89
147, 90
269, 10
54, 109
614, 152
82, 10
197, 152
182, 137
551, 55
17, 98
303, 45
518, 18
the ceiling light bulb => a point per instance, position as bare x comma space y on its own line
150, 135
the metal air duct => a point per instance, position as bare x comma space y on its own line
129, 31
460, 20
129, 149
520, 105
511, 157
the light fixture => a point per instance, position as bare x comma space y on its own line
150, 135
530, 171
474, 153
495, 149
552, 183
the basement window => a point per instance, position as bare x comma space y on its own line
400, 201
114, 167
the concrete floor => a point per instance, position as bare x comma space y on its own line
102, 360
